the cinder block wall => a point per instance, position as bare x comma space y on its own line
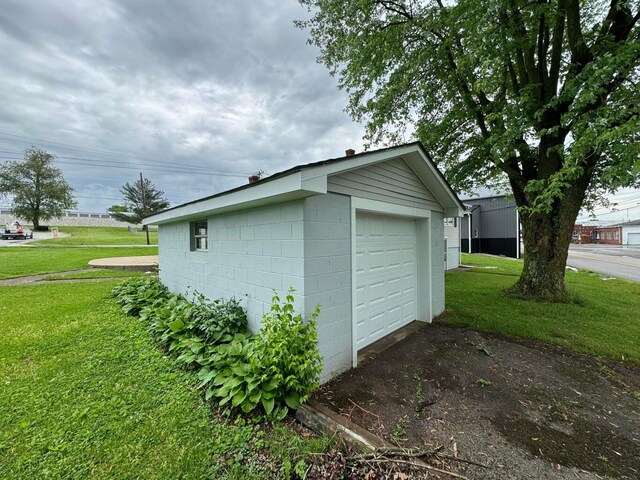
327, 282
251, 252
437, 262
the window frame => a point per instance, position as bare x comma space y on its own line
194, 237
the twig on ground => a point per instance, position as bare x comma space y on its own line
413, 464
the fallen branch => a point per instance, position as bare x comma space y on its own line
413, 464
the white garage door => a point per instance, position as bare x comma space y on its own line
386, 275
633, 238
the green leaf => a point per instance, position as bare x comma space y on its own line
238, 398
268, 404
176, 325
292, 399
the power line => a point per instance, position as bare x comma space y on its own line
110, 153
89, 162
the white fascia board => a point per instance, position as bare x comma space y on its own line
282, 189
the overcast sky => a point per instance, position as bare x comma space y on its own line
220, 86
195, 94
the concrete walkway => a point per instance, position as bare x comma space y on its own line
139, 263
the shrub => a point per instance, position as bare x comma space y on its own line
275, 370
271, 372
217, 319
135, 294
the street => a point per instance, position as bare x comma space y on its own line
612, 260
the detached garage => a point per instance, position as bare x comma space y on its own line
361, 235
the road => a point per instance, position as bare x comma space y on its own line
36, 236
615, 261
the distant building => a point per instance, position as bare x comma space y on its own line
491, 225
606, 235
630, 232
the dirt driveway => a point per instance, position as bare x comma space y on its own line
527, 411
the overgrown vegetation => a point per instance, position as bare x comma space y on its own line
268, 373
602, 320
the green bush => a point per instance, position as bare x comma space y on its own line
274, 370
135, 294
271, 372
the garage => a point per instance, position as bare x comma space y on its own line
634, 239
386, 275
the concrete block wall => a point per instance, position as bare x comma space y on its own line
251, 252
437, 262
327, 282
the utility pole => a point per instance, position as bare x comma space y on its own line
144, 206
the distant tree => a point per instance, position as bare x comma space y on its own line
38, 189
542, 93
142, 199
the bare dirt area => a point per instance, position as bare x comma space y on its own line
523, 410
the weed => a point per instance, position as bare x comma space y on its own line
399, 433
481, 382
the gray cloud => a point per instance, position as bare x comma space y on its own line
226, 86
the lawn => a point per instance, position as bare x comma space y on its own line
100, 236
603, 321
87, 394
97, 273
19, 261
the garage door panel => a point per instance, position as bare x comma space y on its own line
633, 238
386, 275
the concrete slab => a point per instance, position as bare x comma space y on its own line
139, 263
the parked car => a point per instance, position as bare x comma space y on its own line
16, 231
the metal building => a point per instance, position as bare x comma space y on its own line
493, 225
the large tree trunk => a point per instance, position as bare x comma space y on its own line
36, 223
546, 245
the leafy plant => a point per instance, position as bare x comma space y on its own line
137, 293
481, 382
275, 370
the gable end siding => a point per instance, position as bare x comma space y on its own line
392, 181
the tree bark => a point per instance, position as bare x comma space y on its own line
546, 246
36, 223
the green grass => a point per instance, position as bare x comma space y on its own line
604, 321
20, 261
86, 394
100, 236
98, 273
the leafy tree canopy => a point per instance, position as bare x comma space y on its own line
543, 94
38, 189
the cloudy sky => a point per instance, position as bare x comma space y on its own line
195, 94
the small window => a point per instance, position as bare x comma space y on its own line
616, 235
448, 222
455, 222
199, 236
608, 235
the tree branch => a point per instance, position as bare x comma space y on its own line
580, 53
556, 49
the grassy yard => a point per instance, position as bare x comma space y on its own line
604, 321
100, 236
19, 261
97, 273
86, 394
